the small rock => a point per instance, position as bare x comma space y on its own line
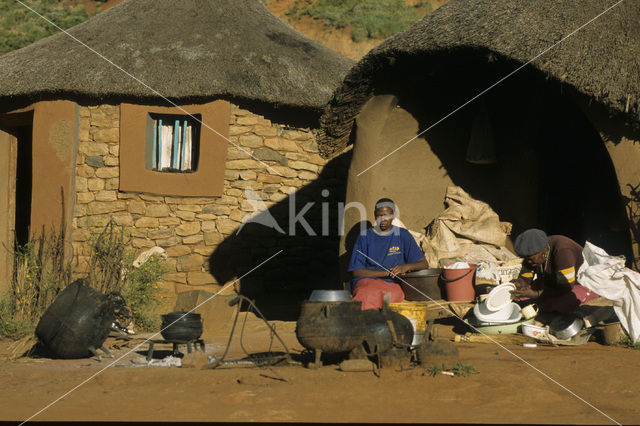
196, 359
94, 161
356, 365
265, 154
139, 360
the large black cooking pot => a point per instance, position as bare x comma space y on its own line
181, 326
332, 327
378, 335
78, 319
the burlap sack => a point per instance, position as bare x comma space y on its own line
464, 223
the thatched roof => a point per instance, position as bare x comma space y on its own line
601, 61
187, 49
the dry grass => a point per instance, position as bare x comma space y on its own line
40, 273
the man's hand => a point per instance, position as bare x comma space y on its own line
525, 292
399, 270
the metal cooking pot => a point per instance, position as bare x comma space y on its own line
77, 322
422, 285
566, 326
181, 326
331, 327
330, 296
433, 272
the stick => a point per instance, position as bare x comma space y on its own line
516, 339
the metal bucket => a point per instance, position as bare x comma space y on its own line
426, 281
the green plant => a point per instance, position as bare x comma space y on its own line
10, 326
368, 19
111, 269
140, 290
460, 369
464, 370
434, 370
628, 343
20, 26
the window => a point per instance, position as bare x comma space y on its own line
175, 143
199, 173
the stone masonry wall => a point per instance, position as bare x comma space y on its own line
188, 228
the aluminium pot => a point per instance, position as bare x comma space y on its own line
330, 296
566, 326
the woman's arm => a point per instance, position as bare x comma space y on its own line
526, 292
407, 267
370, 273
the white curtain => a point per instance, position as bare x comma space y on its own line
166, 145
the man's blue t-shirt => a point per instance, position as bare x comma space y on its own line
395, 248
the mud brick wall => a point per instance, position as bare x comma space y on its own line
190, 229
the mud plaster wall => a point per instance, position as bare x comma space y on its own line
626, 159
54, 141
54, 146
7, 204
623, 145
207, 180
416, 176
621, 138
188, 228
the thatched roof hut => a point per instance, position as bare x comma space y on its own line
601, 60
186, 51
248, 90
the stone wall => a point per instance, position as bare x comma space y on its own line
188, 228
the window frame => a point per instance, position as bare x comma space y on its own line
151, 149
208, 178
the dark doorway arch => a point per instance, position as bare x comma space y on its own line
553, 170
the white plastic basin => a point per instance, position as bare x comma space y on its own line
510, 313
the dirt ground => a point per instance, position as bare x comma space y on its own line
504, 391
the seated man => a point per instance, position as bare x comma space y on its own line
379, 255
555, 260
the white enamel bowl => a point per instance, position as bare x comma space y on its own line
509, 314
499, 297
